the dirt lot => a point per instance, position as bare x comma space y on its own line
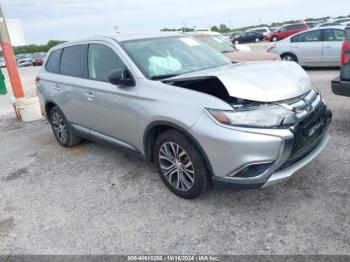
94, 199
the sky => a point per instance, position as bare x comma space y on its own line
73, 19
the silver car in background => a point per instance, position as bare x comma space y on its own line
318, 47
181, 104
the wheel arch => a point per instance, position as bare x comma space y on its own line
157, 127
292, 53
49, 104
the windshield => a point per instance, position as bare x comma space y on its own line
37, 55
164, 57
217, 42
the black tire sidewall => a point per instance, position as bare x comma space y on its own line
201, 173
290, 55
70, 135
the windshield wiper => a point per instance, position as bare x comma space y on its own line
163, 76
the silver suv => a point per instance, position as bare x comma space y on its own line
176, 101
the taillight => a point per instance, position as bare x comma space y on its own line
345, 52
37, 79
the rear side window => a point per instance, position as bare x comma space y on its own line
102, 60
72, 60
296, 27
312, 36
333, 35
53, 62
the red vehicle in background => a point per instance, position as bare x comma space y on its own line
285, 31
38, 59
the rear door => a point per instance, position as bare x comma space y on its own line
308, 47
68, 92
283, 32
333, 41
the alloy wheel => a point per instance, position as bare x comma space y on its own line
59, 127
288, 58
176, 166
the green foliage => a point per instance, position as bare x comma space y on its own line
215, 28
36, 48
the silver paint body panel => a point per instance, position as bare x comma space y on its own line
122, 115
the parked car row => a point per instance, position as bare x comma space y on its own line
231, 51
274, 34
35, 59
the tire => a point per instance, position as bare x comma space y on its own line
274, 39
236, 42
187, 172
289, 57
62, 130
257, 40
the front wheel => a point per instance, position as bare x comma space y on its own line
257, 40
180, 165
274, 39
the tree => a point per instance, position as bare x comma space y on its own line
224, 29
215, 29
36, 48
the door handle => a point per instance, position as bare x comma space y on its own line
56, 88
89, 96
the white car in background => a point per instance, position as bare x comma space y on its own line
262, 30
343, 21
318, 47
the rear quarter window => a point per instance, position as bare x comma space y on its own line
72, 61
296, 27
53, 62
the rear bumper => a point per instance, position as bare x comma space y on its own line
341, 88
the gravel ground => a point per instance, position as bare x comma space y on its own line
94, 199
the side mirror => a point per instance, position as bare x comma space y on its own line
120, 77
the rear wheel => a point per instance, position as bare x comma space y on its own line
180, 165
274, 39
61, 129
257, 40
289, 57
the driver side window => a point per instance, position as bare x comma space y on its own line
101, 61
282, 29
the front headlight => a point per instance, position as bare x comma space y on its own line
261, 116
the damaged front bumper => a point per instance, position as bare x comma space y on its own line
250, 158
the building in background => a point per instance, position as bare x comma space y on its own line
15, 29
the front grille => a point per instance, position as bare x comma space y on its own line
310, 130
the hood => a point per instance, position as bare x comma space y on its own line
244, 56
257, 81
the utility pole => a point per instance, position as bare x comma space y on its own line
9, 56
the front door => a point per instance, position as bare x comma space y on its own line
111, 109
308, 47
